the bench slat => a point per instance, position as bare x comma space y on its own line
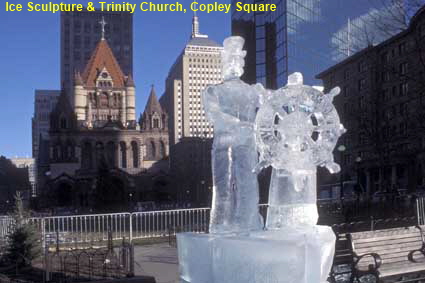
382, 251
394, 240
378, 239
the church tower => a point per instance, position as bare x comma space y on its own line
154, 126
102, 92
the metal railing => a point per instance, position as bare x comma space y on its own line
95, 227
137, 225
6, 223
420, 209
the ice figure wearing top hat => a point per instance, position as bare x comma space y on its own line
231, 107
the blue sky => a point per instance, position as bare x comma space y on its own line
29, 59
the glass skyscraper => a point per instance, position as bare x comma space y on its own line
301, 35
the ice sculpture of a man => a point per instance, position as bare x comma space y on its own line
231, 108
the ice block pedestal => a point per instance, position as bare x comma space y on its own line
292, 255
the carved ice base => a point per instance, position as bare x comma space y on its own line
292, 255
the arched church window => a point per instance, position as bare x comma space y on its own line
63, 123
110, 154
115, 100
100, 152
86, 156
162, 152
155, 123
104, 99
135, 152
123, 151
152, 151
163, 121
55, 152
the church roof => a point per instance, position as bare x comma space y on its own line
153, 105
63, 105
103, 57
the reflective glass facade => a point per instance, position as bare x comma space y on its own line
301, 35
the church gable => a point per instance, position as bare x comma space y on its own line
104, 79
103, 59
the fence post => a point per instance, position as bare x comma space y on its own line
419, 208
131, 228
371, 223
131, 259
46, 264
43, 234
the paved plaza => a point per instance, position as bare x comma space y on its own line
157, 260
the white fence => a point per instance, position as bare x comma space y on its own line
420, 209
137, 225
95, 227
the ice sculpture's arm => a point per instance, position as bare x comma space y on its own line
212, 108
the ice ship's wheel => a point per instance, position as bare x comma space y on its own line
297, 127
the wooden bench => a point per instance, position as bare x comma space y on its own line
387, 254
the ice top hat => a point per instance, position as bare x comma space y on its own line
233, 57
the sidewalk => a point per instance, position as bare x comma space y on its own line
158, 260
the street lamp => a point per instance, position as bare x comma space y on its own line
130, 196
358, 160
341, 149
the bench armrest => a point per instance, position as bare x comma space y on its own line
422, 234
377, 259
411, 254
421, 250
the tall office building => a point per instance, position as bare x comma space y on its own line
29, 164
44, 102
198, 66
190, 134
80, 33
303, 35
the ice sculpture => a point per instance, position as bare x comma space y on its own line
231, 107
296, 129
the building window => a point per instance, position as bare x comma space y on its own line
162, 152
346, 74
345, 90
386, 95
404, 88
155, 123
63, 123
362, 66
403, 68
123, 151
152, 151
362, 84
347, 159
402, 48
385, 58
135, 151
386, 76
362, 102
403, 128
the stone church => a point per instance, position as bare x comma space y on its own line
95, 127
